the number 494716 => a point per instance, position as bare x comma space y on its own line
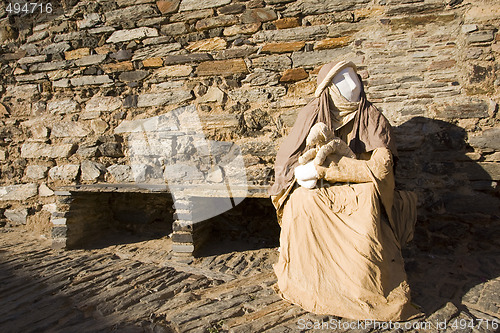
28, 8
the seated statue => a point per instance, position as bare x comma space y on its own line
341, 238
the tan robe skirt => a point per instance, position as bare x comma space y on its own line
339, 255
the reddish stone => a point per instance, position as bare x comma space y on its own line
153, 62
442, 64
287, 22
293, 75
283, 47
332, 43
167, 7
124, 66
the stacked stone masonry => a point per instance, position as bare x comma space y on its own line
70, 78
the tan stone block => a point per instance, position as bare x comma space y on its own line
153, 62
222, 67
173, 71
212, 44
442, 64
242, 29
495, 47
105, 49
294, 74
77, 54
363, 13
287, 22
332, 43
123, 66
283, 47
302, 89
167, 7
99, 126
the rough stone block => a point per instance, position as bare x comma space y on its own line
91, 170
156, 51
118, 67
103, 104
3, 155
212, 44
127, 35
77, 54
189, 16
174, 29
242, 29
36, 150
50, 66
258, 15
89, 20
152, 62
490, 138
167, 7
129, 14
292, 34
90, 80
37, 36
59, 231
481, 36
272, 62
99, 126
66, 129
222, 67
36, 171
91, 60
315, 7
287, 22
62, 106
315, 58
20, 192
472, 109
121, 173
32, 60
217, 21
234, 8
62, 83
236, 52
56, 48
45, 191
31, 77
294, 74
332, 43
173, 71
186, 58
187, 5
67, 172
261, 77
111, 149
133, 76
164, 98
17, 216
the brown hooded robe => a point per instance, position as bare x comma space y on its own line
340, 243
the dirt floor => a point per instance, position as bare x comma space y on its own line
129, 284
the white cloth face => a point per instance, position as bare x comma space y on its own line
348, 84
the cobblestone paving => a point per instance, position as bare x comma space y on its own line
137, 288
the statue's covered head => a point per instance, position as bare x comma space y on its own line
343, 76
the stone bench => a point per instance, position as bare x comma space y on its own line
82, 209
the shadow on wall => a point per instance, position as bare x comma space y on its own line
454, 254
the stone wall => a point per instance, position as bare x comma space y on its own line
69, 78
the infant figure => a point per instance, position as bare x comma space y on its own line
322, 143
